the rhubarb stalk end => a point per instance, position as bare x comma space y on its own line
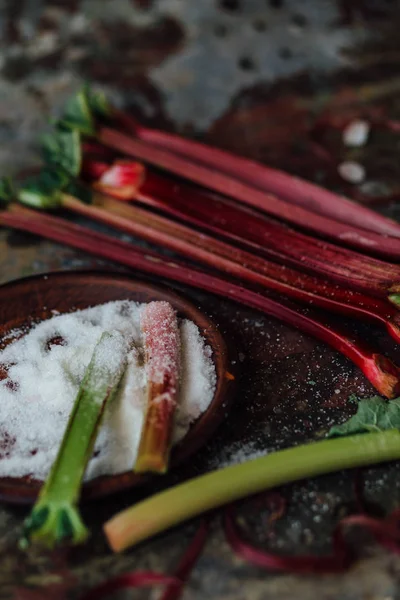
52, 524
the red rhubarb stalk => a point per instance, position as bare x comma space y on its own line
256, 232
211, 179
381, 372
272, 181
239, 263
160, 331
268, 237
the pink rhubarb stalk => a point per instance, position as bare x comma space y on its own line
238, 263
271, 181
160, 331
263, 235
369, 242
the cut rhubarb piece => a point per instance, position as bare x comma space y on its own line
55, 517
161, 340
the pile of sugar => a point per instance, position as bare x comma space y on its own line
45, 368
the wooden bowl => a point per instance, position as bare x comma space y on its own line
29, 300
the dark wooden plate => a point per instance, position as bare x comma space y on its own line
32, 299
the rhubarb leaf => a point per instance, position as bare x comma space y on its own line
62, 149
78, 114
43, 190
7, 191
98, 102
373, 414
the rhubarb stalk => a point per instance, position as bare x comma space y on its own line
257, 233
269, 180
369, 242
125, 178
210, 491
218, 254
83, 110
161, 343
55, 517
237, 262
379, 370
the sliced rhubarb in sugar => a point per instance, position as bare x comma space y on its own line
162, 359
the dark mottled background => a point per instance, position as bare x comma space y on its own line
274, 80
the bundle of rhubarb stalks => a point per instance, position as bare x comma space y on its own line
268, 238
241, 231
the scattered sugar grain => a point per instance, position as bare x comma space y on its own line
356, 133
352, 172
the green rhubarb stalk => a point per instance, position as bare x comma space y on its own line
55, 516
220, 487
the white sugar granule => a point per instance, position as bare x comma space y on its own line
45, 369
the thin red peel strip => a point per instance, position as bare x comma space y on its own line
188, 561
335, 563
386, 532
129, 581
175, 583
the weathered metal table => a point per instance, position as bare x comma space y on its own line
274, 81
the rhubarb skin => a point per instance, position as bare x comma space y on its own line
162, 358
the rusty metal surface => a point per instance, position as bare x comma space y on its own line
269, 79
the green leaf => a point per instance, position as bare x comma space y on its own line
373, 414
44, 190
78, 114
62, 149
98, 102
7, 191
